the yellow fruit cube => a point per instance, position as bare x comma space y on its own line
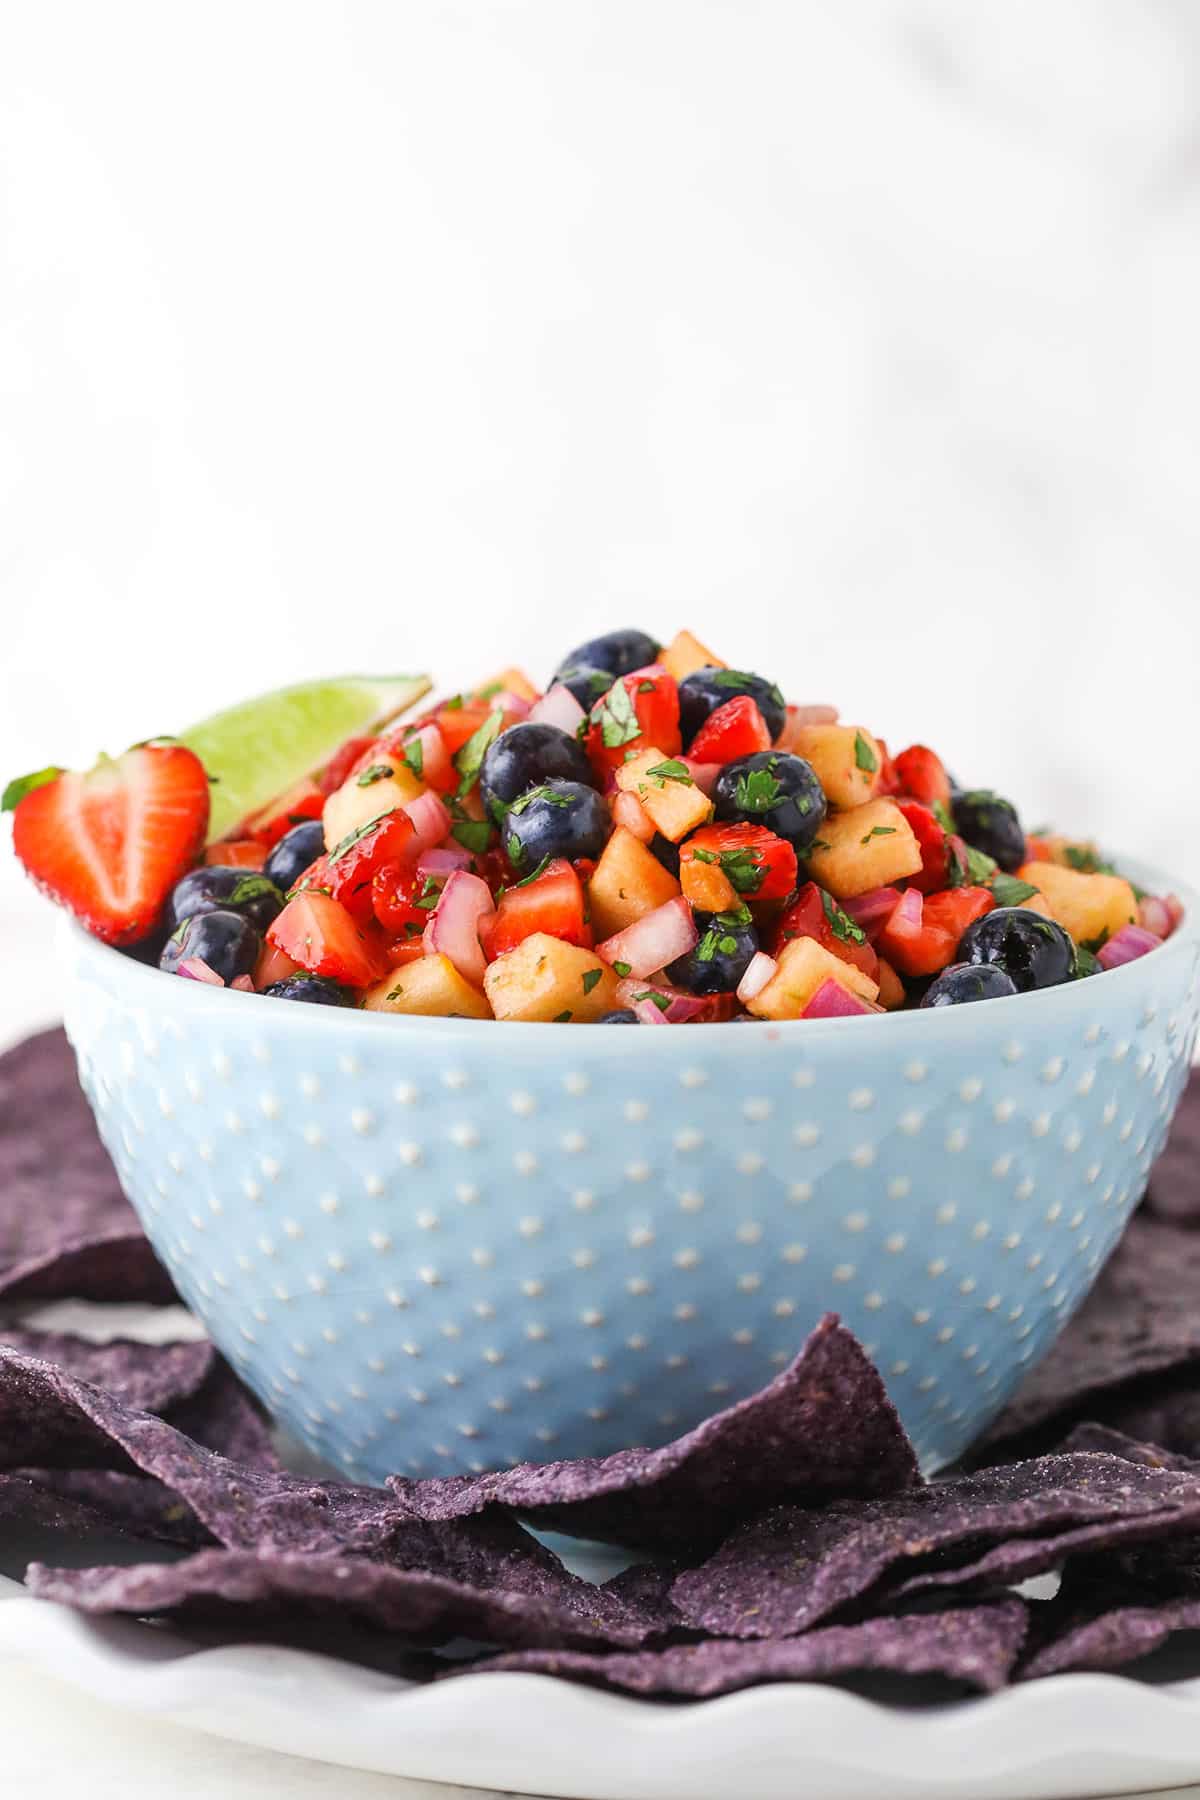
1090, 907
545, 979
865, 848
509, 681
353, 805
845, 759
685, 654
666, 791
803, 966
431, 986
628, 883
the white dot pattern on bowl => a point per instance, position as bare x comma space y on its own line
338, 1217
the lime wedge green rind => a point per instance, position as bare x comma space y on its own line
262, 747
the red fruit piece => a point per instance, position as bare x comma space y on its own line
638, 710
934, 946
553, 903
236, 853
402, 900
304, 801
816, 914
923, 775
933, 844
110, 845
887, 781
758, 864
348, 870
735, 729
341, 762
320, 935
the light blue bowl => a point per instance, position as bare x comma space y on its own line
434, 1245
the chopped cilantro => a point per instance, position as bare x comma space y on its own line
662, 1001
539, 793
429, 896
820, 844
878, 831
1085, 962
356, 837
622, 969
414, 755
376, 772
732, 678
941, 813
616, 718
671, 770
533, 875
249, 888
1008, 891
1085, 859
1093, 944
742, 870
454, 704
864, 756
840, 923
16, 790
473, 834
645, 687
590, 978
516, 854
980, 866
490, 691
757, 790
562, 1018
704, 856
469, 759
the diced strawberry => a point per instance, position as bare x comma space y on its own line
423, 748
934, 944
111, 844
402, 900
304, 801
816, 914
342, 762
923, 775
320, 935
758, 864
553, 903
1038, 849
272, 965
400, 950
458, 723
640, 709
348, 870
887, 781
933, 844
736, 728
236, 853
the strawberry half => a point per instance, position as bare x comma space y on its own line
111, 844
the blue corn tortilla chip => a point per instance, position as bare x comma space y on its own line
65, 1226
823, 1427
976, 1645
26, 1502
788, 1570
131, 1504
1140, 1320
1174, 1192
1090, 1436
1108, 1639
274, 1590
151, 1377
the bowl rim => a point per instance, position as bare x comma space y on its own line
78, 945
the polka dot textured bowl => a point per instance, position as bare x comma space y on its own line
434, 1245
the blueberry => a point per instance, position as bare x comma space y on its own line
226, 941
622, 1016
717, 963
664, 851
1034, 951
775, 789
990, 824
620, 651
559, 818
528, 754
586, 682
296, 851
964, 982
703, 691
220, 889
317, 989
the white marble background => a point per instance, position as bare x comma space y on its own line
862, 339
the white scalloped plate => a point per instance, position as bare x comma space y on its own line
1072, 1735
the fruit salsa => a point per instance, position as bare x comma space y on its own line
656, 839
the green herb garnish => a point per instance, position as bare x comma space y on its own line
589, 979
376, 772
413, 754
1008, 891
516, 854
17, 789
941, 813
539, 793
757, 790
469, 759
533, 875
429, 896
356, 837
473, 834
671, 770
490, 691
562, 1018
1085, 963
622, 969
662, 1001
616, 718
864, 757
250, 887
744, 874
980, 866
878, 831
840, 923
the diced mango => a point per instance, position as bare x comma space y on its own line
1091, 907
430, 986
685, 654
666, 791
352, 806
510, 681
845, 760
803, 966
628, 883
545, 979
867, 847
891, 988
707, 886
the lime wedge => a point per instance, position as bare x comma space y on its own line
264, 746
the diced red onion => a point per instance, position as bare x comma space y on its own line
873, 908
652, 672
627, 810
431, 821
907, 916
679, 1008
1174, 906
833, 1001
437, 770
194, 968
703, 774
243, 984
515, 706
1126, 945
654, 940
442, 861
453, 928
1154, 916
558, 706
759, 971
